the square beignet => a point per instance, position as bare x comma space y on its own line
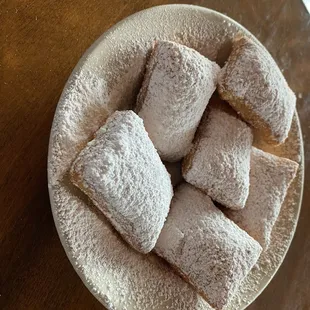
219, 161
123, 175
205, 247
176, 89
270, 178
254, 86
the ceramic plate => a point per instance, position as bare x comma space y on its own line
107, 78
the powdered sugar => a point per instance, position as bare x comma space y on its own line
270, 178
219, 162
254, 85
284, 228
211, 251
122, 173
176, 89
117, 275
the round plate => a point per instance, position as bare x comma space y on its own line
107, 78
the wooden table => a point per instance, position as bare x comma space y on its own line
40, 43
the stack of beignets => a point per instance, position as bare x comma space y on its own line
122, 172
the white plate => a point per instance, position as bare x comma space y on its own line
107, 78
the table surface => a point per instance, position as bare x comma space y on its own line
40, 43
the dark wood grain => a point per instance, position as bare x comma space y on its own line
40, 43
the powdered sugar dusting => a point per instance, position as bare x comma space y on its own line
270, 178
254, 85
111, 75
122, 173
175, 92
212, 252
219, 162
284, 228
117, 273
